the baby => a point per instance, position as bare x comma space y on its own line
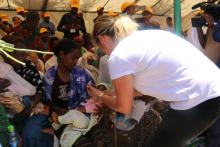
19, 87
78, 123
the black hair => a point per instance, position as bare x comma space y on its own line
21, 13
169, 18
66, 45
32, 16
13, 19
88, 44
52, 43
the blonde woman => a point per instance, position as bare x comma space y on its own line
162, 65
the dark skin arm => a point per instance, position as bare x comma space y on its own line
52, 30
202, 37
83, 28
61, 25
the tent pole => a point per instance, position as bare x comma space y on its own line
8, 4
177, 17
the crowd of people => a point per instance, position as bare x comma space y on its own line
62, 99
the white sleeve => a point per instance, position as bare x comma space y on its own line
119, 67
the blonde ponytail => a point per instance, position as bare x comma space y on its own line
123, 27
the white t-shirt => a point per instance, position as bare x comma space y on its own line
167, 67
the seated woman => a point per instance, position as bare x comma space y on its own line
31, 128
66, 83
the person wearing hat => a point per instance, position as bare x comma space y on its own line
46, 23
4, 20
112, 13
20, 11
44, 37
8, 28
100, 12
71, 24
128, 8
17, 20
149, 23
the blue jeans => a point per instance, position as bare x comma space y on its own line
33, 135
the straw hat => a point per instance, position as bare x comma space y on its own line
46, 14
113, 14
125, 5
20, 9
74, 4
4, 18
149, 9
43, 30
99, 8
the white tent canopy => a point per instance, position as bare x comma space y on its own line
161, 8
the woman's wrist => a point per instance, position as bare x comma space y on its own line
101, 94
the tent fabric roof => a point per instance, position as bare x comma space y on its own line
160, 7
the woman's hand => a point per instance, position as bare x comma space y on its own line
40, 109
12, 104
55, 117
93, 104
92, 91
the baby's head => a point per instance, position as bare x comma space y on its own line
102, 86
4, 83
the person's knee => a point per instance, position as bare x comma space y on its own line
31, 131
34, 127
